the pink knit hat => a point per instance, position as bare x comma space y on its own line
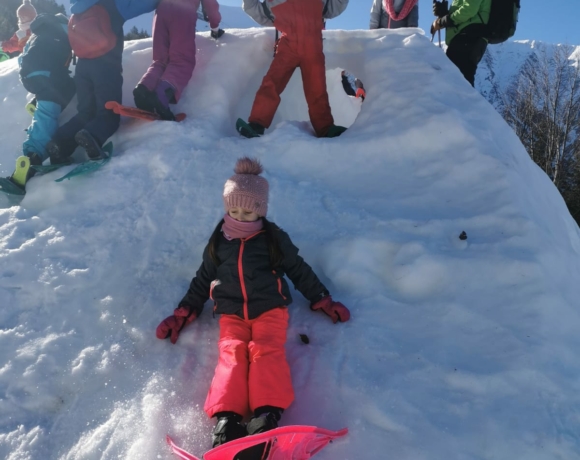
26, 13
246, 188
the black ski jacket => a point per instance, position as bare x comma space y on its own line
48, 49
245, 284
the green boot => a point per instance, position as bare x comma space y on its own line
335, 131
249, 130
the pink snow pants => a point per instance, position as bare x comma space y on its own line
252, 370
173, 45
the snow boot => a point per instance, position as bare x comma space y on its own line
144, 98
335, 131
250, 129
164, 95
228, 428
265, 418
55, 155
90, 144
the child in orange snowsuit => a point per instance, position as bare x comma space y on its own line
243, 272
300, 23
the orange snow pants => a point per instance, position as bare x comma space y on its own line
252, 370
288, 57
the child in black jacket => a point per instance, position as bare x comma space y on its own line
243, 272
44, 72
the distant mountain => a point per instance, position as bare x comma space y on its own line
503, 63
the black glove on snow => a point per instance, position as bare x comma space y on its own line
215, 34
440, 9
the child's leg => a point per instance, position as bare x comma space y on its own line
44, 125
107, 78
268, 96
270, 383
229, 388
465, 52
63, 88
160, 47
48, 108
86, 110
182, 22
314, 81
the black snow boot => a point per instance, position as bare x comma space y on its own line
228, 428
164, 113
265, 418
162, 97
55, 154
90, 144
144, 98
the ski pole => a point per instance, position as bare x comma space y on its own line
433, 34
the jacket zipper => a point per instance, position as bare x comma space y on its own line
241, 273
242, 283
279, 281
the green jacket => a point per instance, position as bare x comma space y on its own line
466, 12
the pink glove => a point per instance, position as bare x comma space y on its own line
336, 310
172, 325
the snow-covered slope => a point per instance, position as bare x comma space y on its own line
457, 349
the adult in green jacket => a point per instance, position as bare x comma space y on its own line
465, 24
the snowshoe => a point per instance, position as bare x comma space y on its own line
138, 113
24, 170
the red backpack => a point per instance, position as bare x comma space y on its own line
90, 33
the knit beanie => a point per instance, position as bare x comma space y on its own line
246, 188
26, 13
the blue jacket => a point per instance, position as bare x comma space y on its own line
128, 9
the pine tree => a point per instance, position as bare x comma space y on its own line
135, 34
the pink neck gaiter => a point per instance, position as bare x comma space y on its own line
233, 228
389, 6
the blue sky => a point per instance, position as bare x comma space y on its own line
553, 22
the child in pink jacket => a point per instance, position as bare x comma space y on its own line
173, 53
243, 272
